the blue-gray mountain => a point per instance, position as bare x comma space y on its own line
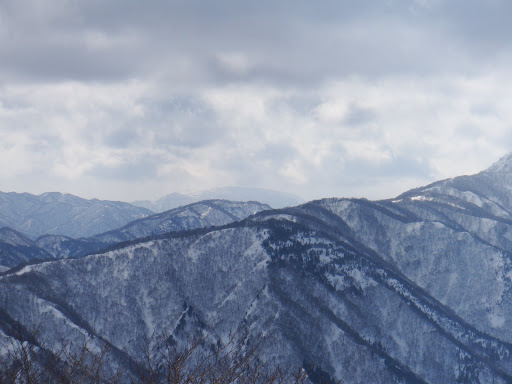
415, 289
63, 214
15, 248
202, 214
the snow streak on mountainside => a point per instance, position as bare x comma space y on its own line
64, 214
416, 289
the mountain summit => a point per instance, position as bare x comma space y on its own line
64, 214
504, 164
275, 199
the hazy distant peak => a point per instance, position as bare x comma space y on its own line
64, 214
53, 197
52, 194
504, 164
274, 199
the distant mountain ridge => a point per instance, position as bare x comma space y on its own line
64, 214
202, 214
275, 199
55, 213
15, 248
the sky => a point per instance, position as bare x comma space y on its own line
130, 100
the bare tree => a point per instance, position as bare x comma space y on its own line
202, 360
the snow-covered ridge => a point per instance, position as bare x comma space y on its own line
198, 215
504, 164
64, 214
416, 289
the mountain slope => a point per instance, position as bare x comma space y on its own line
310, 297
202, 214
416, 289
452, 238
16, 248
198, 215
64, 214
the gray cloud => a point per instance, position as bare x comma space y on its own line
287, 42
135, 169
359, 115
123, 137
317, 99
183, 122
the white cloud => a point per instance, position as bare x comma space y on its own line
434, 123
332, 111
122, 102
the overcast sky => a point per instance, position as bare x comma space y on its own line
130, 99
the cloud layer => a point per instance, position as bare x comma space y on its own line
133, 100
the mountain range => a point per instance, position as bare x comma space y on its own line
414, 289
275, 199
55, 213
16, 248
64, 214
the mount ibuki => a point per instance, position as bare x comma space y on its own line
415, 289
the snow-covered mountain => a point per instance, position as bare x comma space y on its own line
19, 249
415, 289
64, 214
273, 198
202, 214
